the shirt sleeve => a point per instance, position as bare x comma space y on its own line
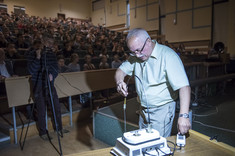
127, 67
175, 71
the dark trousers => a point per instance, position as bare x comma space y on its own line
42, 99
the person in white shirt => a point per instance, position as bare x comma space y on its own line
159, 77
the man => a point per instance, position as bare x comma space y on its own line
159, 76
40, 59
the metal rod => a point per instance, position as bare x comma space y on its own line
14, 122
70, 111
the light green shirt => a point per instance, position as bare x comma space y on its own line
159, 78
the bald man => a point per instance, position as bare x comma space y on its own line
159, 78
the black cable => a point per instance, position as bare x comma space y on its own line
145, 97
162, 151
146, 153
173, 148
67, 81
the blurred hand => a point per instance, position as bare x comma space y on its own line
38, 53
50, 77
183, 125
122, 88
2, 77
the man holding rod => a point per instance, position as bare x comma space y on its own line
160, 78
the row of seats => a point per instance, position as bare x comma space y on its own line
20, 65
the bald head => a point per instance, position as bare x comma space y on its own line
139, 43
137, 32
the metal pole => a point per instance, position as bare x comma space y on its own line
70, 111
14, 122
46, 119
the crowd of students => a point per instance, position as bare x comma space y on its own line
73, 40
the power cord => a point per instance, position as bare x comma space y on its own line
219, 128
205, 115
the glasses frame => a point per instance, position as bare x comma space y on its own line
139, 51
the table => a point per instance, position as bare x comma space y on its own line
196, 144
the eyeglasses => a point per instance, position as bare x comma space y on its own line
139, 51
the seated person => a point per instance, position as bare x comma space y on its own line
103, 63
125, 57
68, 50
88, 65
104, 53
74, 66
62, 67
85, 98
21, 45
6, 70
11, 52
116, 61
120, 50
3, 41
90, 51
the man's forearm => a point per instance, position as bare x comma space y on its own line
184, 94
119, 76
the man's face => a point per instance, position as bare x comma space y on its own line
61, 62
139, 48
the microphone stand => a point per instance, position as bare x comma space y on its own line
52, 101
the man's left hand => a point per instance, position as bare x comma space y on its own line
183, 125
50, 77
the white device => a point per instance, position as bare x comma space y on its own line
140, 136
141, 142
180, 140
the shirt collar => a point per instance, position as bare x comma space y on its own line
155, 53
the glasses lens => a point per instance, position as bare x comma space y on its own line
132, 54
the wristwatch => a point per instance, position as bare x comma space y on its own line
185, 115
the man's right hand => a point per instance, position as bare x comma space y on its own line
2, 78
38, 53
122, 88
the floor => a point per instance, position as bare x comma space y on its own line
215, 116
79, 139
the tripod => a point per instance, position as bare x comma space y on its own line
48, 86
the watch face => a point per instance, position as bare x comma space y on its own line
184, 115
